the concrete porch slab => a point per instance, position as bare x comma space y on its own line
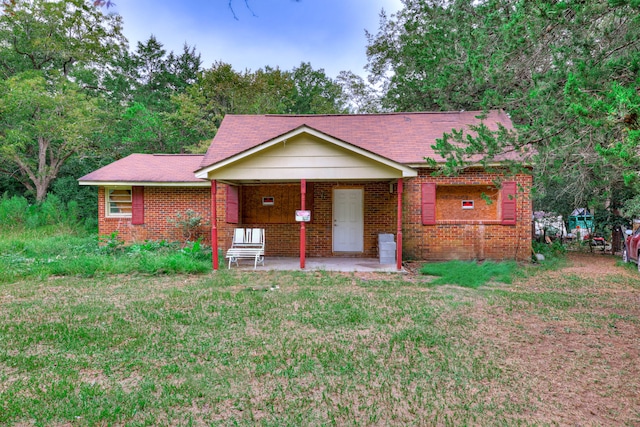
325, 264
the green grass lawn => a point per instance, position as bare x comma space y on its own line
141, 349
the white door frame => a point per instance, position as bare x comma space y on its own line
348, 220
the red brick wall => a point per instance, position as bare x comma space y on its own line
466, 238
160, 205
451, 237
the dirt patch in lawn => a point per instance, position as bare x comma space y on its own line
572, 337
568, 340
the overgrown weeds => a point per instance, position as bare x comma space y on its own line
190, 223
51, 251
16, 213
554, 254
472, 274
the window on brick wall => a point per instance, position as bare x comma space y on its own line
118, 203
468, 202
459, 203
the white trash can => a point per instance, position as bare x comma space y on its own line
386, 248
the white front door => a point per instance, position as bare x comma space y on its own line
348, 221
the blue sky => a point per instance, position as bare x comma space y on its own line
327, 33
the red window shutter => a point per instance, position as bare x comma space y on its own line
429, 203
232, 204
137, 205
508, 196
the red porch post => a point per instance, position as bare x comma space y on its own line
303, 228
399, 239
214, 225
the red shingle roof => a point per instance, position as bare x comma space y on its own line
402, 137
172, 168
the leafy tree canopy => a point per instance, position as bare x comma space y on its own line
56, 35
566, 72
144, 86
45, 115
44, 122
222, 90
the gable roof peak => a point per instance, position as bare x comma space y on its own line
403, 137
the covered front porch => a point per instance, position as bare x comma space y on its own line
342, 221
315, 196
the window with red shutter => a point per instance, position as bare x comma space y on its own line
429, 203
232, 204
137, 205
508, 196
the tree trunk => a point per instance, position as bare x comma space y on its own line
41, 189
47, 172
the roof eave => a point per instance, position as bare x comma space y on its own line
471, 165
145, 183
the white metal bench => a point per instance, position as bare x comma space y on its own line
247, 243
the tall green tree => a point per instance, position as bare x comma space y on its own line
566, 72
155, 75
55, 35
44, 122
143, 84
222, 90
316, 93
49, 48
360, 97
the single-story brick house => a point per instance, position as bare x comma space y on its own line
358, 175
